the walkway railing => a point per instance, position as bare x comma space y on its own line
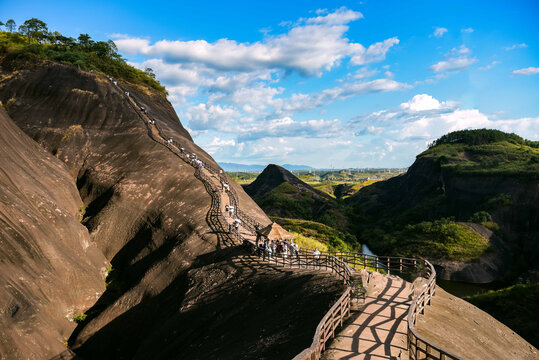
337, 262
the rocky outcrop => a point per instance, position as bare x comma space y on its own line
148, 214
50, 270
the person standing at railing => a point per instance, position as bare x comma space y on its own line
284, 250
316, 253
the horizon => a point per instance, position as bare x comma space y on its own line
350, 86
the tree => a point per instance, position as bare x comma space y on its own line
34, 29
149, 72
10, 25
85, 40
1, 23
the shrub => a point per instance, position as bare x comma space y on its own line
79, 318
480, 217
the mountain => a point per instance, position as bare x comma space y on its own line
234, 167
470, 203
50, 270
173, 286
281, 194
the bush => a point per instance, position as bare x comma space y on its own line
480, 217
79, 318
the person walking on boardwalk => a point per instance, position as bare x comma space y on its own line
316, 254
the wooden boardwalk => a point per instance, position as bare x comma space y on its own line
378, 331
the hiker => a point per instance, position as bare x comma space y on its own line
296, 249
284, 250
182, 149
127, 93
231, 211
267, 245
226, 208
316, 253
291, 248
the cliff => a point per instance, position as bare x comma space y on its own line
493, 184
50, 270
147, 213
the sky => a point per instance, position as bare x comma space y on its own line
329, 84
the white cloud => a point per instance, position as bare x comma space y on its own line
313, 45
516, 46
439, 32
287, 127
375, 52
206, 117
461, 50
424, 118
489, 66
302, 102
364, 72
467, 30
526, 71
460, 63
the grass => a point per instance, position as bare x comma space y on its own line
308, 242
331, 239
441, 239
502, 158
514, 306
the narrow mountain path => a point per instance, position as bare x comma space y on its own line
378, 331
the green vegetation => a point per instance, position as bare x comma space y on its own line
331, 239
481, 137
485, 153
34, 43
514, 306
442, 239
405, 215
79, 318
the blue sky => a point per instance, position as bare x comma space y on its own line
324, 83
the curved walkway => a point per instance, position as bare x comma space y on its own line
379, 331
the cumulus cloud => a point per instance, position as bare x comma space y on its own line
287, 127
460, 63
467, 30
526, 71
424, 118
516, 46
206, 117
439, 32
313, 45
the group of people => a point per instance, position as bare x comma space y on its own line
282, 248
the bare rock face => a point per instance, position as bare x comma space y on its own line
147, 213
49, 269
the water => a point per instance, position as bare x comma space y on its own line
365, 250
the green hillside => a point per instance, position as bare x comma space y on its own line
35, 43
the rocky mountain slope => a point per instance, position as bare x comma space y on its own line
146, 212
482, 176
279, 193
50, 270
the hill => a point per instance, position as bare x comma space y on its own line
484, 177
302, 209
146, 214
280, 193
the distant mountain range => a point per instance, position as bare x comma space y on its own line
258, 168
